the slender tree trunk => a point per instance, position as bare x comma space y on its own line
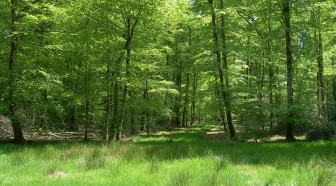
334, 88
271, 102
320, 76
87, 117
226, 94
221, 106
115, 116
193, 102
248, 63
87, 99
132, 115
260, 96
270, 74
177, 118
186, 103
13, 107
124, 99
108, 83
286, 18
108, 100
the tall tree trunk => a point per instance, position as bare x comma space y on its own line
270, 96
178, 80
13, 107
87, 100
132, 115
109, 84
221, 107
290, 118
186, 103
115, 116
270, 69
108, 100
129, 31
193, 102
334, 88
248, 63
145, 126
260, 95
320, 78
226, 94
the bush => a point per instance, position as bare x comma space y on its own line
323, 132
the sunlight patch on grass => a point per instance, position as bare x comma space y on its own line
148, 160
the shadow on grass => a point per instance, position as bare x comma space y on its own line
192, 143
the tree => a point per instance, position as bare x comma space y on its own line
13, 72
286, 11
223, 80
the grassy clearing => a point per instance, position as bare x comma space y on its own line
182, 157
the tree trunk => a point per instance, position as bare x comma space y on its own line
320, 78
270, 74
260, 96
87, 100
271, 103
13, 107
226, 94
108, 100
186, 103
177, 118
221, 107
290, 119
124, 99
193, 102
115, 115
334, 88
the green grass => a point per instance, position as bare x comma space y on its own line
182, 157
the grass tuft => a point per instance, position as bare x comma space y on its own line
324, 177
94, 160
182, 178
51, 168
18, 159
283, 162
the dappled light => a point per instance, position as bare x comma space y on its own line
168, 92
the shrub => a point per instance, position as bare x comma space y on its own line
323, 132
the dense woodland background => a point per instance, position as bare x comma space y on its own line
114, 68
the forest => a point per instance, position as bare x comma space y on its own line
168, 92
116, 68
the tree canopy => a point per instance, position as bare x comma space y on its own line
115, 68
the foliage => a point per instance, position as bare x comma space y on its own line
121, 67
327, 131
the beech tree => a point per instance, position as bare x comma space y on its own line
115, 68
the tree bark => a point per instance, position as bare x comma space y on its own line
227, 95
271, 102
193, 102
320, 76
178, 81
221, 107
260, 95
286, 19
334, 88
186, 103
224, 84
13, 103
87, 100
145, 125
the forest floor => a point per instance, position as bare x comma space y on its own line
187, 156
